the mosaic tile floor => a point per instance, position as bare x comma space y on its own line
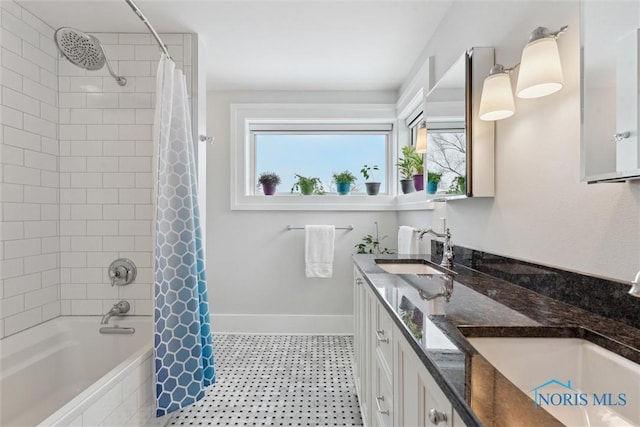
278, 380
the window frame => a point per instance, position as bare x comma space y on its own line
245, 117
286, 129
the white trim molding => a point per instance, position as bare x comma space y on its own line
283, 324
244, 116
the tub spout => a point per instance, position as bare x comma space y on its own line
119, 308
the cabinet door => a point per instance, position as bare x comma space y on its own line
357, 334
416, 392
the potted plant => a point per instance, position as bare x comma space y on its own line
371, 244
405, 167
307, 185
269, 182
433, 179
343, 181
417, 160
458, 185
373, 188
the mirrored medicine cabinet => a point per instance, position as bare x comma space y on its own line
610, 105
460, 146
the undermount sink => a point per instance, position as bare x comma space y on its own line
576, 381
406, 267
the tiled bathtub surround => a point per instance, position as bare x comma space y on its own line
75, 171
29, 244
601, 296
106, 201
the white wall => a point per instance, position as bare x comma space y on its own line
541, 212
29, 247
256, 268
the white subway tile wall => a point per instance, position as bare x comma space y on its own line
106, 200
29, 195
75, 171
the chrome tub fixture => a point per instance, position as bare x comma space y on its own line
119, 308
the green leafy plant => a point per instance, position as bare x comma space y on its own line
367, 171
371, 244
269, 178
344, 177
405, 163
416, 330
307, 185
434, 177
416, 159
458, 185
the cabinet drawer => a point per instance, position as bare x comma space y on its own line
383, 397
383, 334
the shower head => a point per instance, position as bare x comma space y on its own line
84, 50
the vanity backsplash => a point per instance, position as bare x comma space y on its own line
607, 298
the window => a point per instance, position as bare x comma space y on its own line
313, 140
320, 154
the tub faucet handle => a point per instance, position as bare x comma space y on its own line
122, 272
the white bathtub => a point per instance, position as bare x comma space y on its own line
65, 373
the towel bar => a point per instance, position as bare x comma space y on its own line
348, 227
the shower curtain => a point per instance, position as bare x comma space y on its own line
184, 362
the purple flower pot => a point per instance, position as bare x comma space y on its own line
269, 189
418, 182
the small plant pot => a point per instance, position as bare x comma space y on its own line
307, 189
373, 188
418, 182
432, 187
343, 188
269, 189
407, 186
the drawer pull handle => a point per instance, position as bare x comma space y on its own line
358, 281
379, 336
382, 411
436, 417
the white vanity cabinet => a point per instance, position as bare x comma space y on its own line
394, 387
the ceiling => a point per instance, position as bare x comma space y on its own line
277, 45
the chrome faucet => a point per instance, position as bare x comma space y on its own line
119, 308
447, 256
635, 286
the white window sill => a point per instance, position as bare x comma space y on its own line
325, 202
332, 202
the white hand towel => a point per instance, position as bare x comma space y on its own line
408, 240
318, 250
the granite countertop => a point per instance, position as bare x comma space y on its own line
482, 305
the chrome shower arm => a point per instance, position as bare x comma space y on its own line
122, 81
149, 26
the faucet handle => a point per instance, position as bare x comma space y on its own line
121, 307
122, 272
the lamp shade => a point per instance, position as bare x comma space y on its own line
421, 139
540, 69
496, 102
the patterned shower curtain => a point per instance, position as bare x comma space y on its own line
184, 362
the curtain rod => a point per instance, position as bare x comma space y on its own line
149, 26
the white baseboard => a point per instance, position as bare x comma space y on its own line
282, 324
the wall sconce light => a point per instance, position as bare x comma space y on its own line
421, 138
540, 69
496, 102
540, 75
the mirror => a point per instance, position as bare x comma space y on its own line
610, 41
459, 145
